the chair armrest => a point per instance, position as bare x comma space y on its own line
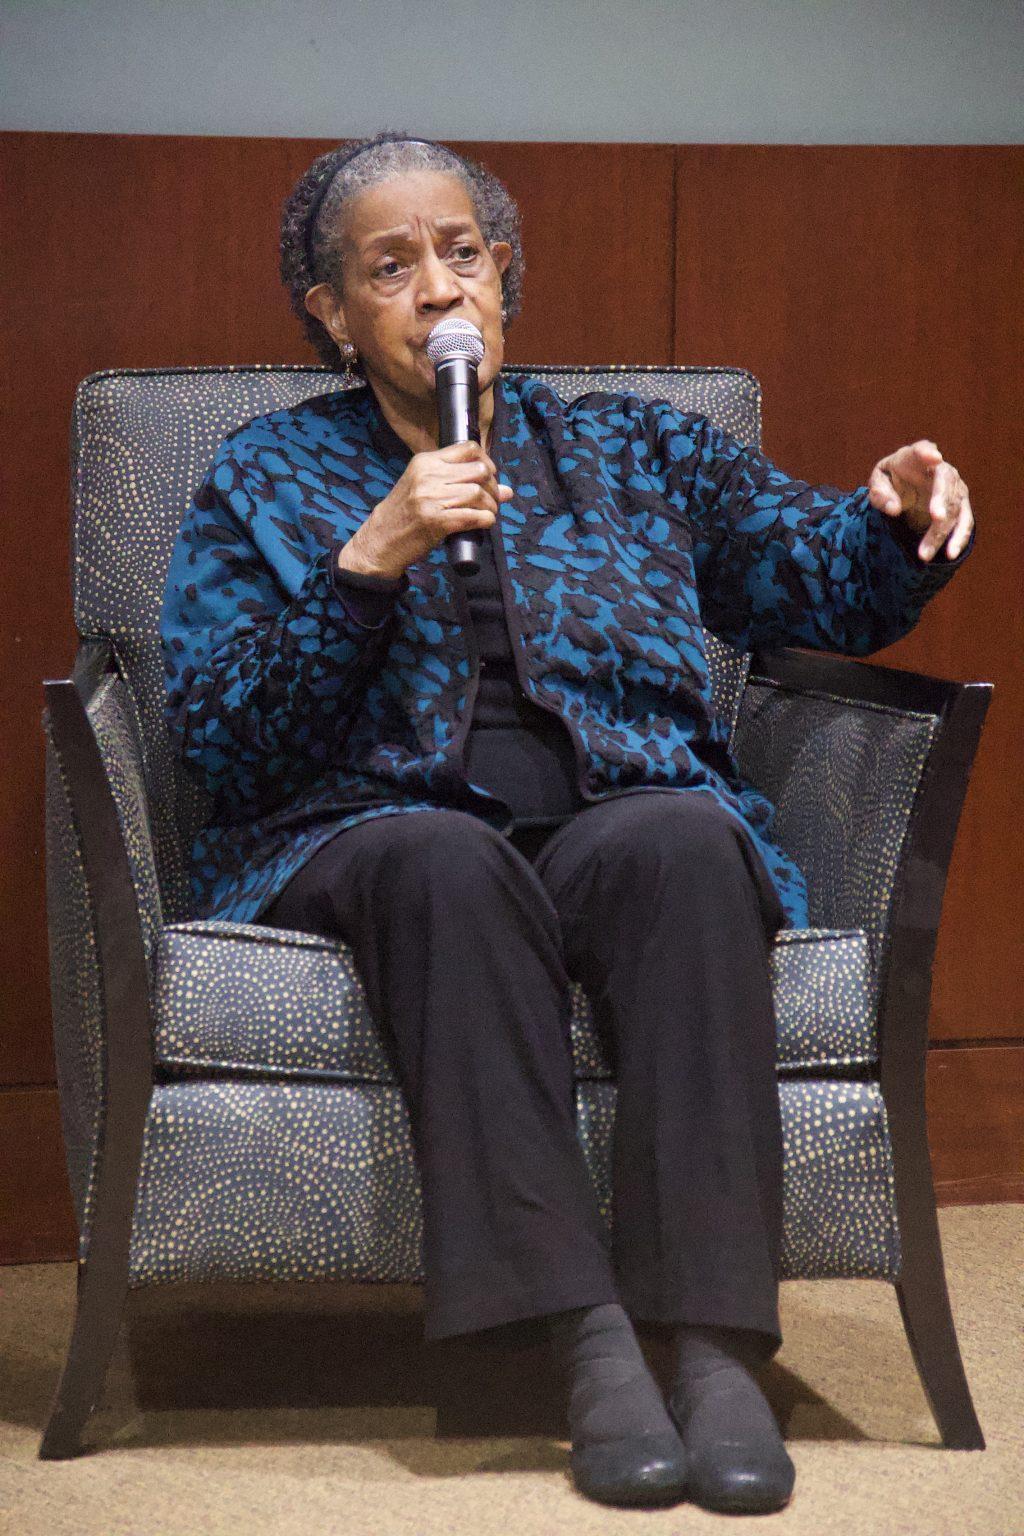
103, 909
113, 718
864, 764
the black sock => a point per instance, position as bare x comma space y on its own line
612, 1394
715, 1395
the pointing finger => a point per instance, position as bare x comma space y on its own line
941, 505
928, 453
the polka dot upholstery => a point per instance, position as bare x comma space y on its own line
839, 1215
313, 1181
277, 1144
115, 723
273, 1003
822, 986
842, 777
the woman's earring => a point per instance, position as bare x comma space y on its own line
348, 357
504, 315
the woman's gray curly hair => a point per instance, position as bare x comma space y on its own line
311, 255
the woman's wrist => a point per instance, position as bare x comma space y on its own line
367, 597
351, 558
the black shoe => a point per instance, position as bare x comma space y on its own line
732, 1475
624, 1447
647, 1470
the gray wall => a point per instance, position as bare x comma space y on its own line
725, 71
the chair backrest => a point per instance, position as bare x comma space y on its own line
141, 442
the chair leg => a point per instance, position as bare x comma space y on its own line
104, 1273
102, 1290
921, 1286
931, 1334
127, 1029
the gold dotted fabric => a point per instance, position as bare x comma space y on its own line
839, 1216
116, 726
315, 1181
842, 777
267, 1001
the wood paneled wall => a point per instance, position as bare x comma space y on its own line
871, 291
876, 293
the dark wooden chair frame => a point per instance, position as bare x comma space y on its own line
905, 992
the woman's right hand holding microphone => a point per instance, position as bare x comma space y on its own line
443, 491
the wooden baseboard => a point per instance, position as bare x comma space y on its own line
38, 1220
980, 1192
975, 1099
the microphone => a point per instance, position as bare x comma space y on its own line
456, 349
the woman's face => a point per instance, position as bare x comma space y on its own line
413, 254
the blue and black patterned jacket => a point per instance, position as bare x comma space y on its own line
632, 524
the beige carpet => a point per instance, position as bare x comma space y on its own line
307, 1409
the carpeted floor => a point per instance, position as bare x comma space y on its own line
310, 1409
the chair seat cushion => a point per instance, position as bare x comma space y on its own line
256, 1182
253, 1001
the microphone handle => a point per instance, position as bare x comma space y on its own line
458, 417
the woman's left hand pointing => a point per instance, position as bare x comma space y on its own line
917, 484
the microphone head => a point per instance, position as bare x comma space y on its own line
455, 338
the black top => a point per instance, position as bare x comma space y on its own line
515, 750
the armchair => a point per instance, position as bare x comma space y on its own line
227, 1108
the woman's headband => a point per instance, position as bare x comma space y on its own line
313, 212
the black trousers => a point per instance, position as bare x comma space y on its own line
466, 942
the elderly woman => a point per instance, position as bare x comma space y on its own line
491, 787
